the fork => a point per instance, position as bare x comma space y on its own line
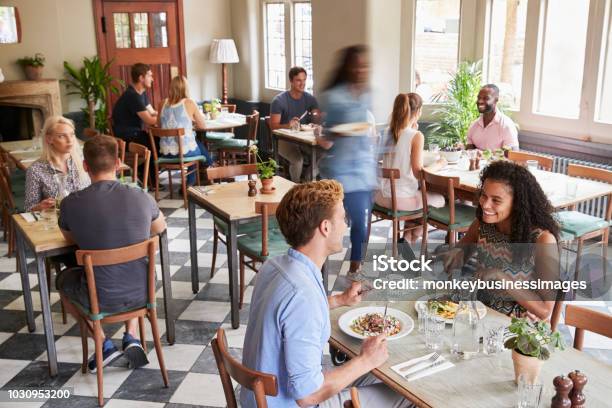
418, 372
432, 358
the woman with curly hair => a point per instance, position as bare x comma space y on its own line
515, 237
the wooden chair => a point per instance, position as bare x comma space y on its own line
11, 204
89, 132
583, 226
260, 245
220, 227
261, 384
393, 214
120, 152
454, 217
139, 155
544, 162
91, 321
180, 163
583, 319
231, 150
354, 401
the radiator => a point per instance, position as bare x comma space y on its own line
595, 207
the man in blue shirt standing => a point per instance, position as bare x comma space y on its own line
289, 316
288, 109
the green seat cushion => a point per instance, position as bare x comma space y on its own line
171, 160
233, 143
464, 215
579, 224
250, 244
389, 212
216, 136
566, 236
127, 180
246, 228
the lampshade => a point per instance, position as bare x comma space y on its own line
223, 51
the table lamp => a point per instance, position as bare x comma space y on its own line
223, 52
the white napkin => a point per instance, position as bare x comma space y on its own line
417, 364
28, 217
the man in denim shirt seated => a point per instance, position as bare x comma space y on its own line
289, 316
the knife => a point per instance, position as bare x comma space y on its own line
427, 367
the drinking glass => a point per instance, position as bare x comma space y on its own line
532, 165
36, 143
528, 394
434, 148
571, 187
434, 329
472, 154
49, 217
295, 125
421, 309
493, 340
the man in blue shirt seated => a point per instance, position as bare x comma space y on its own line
289, 322
289, 109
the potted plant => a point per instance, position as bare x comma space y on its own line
92, 82
33, 66
531, 345
266, 169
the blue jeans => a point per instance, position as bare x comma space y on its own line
358, 206
200, 151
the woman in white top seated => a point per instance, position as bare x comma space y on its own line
402, 146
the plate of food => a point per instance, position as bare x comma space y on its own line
447, 307
367, 321
352, 129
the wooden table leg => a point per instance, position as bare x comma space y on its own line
25, 281
232, 265
193, 248
166, 285
46, 312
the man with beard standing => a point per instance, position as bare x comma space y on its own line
493, 130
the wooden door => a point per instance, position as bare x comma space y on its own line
150, 32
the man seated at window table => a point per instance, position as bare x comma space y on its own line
287, 109
493, 130
289, 323
109, 215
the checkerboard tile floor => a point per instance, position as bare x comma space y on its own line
191, 366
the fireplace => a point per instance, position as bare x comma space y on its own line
33, 101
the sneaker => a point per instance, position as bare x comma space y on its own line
133, 352
109, 354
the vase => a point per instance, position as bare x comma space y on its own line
266, 186
528, 366
33, 73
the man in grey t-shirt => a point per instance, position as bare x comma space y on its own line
108, 215
290, 107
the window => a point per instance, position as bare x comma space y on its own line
560, 58
122, 30
302, 29
287, 41
504, 62
141, 30
9, 25
436, 45
604, 100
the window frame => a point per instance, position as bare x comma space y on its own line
268, 92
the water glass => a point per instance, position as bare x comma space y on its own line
49, 218
571, 187
434, 330
434, 148
493, 340
421, 309
532, 165
529, 395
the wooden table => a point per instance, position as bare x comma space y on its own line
231, 204
553, 184
230, 122
45, 243
23, 154
304, 138
483, 381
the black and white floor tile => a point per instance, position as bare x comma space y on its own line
190, 362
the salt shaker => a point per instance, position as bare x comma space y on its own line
563, 386
576, 395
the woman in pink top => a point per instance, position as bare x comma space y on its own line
403, 150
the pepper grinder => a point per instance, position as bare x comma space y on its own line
563, 386
252, 188
576, 395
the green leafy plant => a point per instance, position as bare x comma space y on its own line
533, 339
458, 105
266, 169
92, 82
38, 60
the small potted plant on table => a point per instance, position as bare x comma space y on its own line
33, 66
531, 345
266, 169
